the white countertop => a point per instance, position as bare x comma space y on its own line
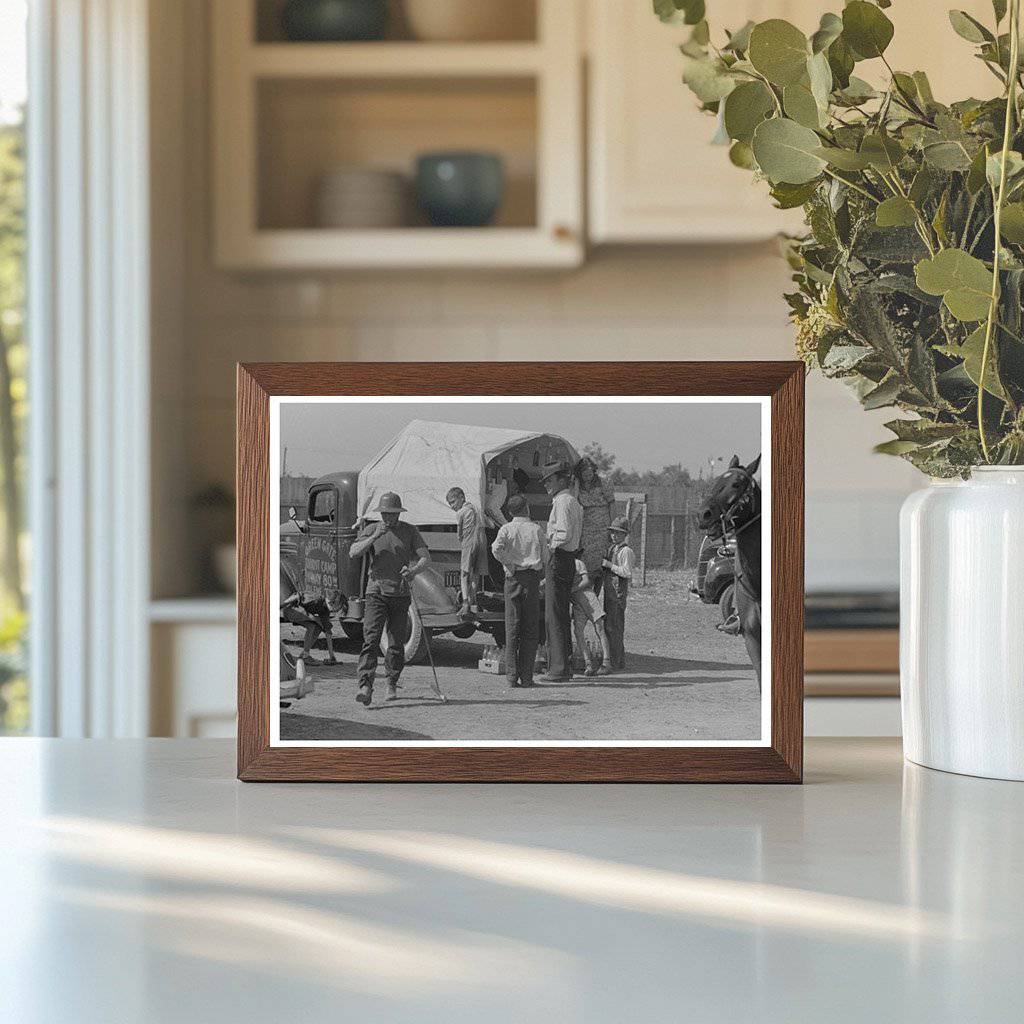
140, 882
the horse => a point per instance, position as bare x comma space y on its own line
733, 507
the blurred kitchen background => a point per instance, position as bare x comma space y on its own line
300, 208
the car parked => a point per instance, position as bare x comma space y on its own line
715, 582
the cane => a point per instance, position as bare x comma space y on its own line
430, 649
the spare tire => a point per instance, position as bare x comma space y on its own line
418, 639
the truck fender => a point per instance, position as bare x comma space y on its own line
432, 598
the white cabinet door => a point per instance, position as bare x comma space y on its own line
654, 177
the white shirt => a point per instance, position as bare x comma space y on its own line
623, 562
565, 524
520, 545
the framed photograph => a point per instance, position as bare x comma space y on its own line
578, 572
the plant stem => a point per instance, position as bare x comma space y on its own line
853, 185
1011, 108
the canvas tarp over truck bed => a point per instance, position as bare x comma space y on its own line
426, 458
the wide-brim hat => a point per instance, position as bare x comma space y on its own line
556, 468
620, 524
389, 502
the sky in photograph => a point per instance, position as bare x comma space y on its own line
323, 438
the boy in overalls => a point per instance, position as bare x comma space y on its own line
618, 571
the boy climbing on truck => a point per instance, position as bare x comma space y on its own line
473, 544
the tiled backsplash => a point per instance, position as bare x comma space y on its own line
719, 302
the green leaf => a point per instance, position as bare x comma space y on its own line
947, 156
701, 34
895, 447
707, 78
779, 51
924, 88
969, 28
883, 152
739, 41
963, 281
923, 431
993, 166
1012, 224
999, 8
922, 185
741, 155
976, 174
844, 159
690, 12
971, 352
841, 63
745, 108
858, 91
829, 30
819, 74
866, 29
788, 196
801, 106
787, 151
895, 212
885, 394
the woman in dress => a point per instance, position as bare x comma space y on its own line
598, 500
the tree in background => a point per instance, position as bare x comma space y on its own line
604, 461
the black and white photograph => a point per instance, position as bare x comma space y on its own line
515, 571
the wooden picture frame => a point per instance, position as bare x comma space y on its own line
780, 759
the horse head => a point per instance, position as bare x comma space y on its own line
727, 495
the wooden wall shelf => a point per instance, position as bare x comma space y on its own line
285, 114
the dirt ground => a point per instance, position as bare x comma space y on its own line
683, 680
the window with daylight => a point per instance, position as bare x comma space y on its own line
14, 685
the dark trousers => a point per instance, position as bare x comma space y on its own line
561, 570
522, 624
380, 610
615, 622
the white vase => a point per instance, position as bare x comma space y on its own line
962, 624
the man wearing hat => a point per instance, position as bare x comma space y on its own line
565, 531
618, 567
397, 553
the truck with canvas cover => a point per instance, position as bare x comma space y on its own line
421, 463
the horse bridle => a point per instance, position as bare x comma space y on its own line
727, 519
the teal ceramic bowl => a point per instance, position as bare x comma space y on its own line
334, 21
461, 190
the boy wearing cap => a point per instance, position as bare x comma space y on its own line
565, 530
618, 567
397, 554
521, 547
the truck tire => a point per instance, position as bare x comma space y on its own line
727, 602
416, 645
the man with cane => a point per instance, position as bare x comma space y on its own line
397, 554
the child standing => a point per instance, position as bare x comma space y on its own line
587, 608
618, 568
473, 542
521, 547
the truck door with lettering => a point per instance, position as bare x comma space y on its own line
320, 564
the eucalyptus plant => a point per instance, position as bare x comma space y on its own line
910, 277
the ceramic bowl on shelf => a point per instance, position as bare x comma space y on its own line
460, 189
362, 197
334, 21
470, 20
